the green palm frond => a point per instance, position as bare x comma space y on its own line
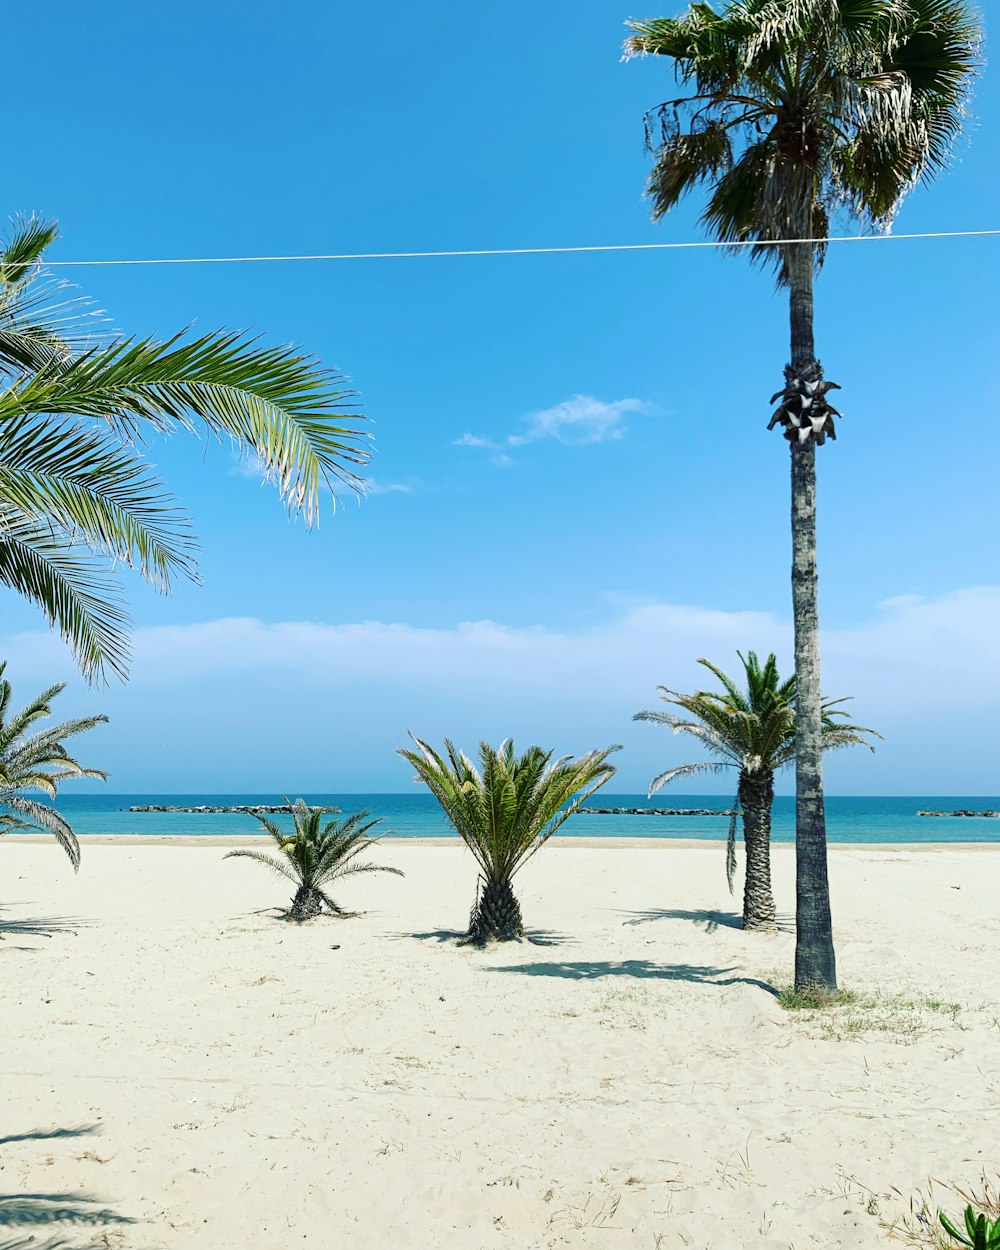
25, 250
77, 501
38, 762
79, 598
271, 402
281, 866
95, 492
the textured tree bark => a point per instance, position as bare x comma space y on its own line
496, 915
756, 799
306, 905
815, 962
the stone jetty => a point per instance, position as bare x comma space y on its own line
652, 811
248, 809
961, 812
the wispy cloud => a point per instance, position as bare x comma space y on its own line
582, 419
473, 440
373, 486
576, 421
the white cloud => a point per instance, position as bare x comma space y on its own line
473, 440
373, 486
577, 421
582, 419
334, 700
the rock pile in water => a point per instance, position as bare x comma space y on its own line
961, 812
652, 811
249, 809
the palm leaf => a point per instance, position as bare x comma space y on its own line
79, 599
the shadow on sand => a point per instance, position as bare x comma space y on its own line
710, 920
586, 970
37, 1210
39, 926
17, 1210
534, 937
50, 1134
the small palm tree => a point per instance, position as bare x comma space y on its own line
38, 761
316, 855
504, 811
789, 113
753, 731
77, 500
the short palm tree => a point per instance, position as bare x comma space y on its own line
38, 760
504, 811
77, 498
753, 731
788, 113
316, 854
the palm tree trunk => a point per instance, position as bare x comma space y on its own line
815, 963
496, 914
756, 799
306, 905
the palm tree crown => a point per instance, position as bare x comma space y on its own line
751, 730
77, 498
315, 855
38, 761
797, 109
504, 811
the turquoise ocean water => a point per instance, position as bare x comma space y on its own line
416, 814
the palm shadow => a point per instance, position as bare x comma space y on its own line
710, 918
587, 970
40, 926
50, 1134
534, 937
34, 1209
31, 1242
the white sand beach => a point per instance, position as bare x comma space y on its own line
183, 1070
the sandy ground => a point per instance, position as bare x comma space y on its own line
181, 1069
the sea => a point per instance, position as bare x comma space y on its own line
417, 815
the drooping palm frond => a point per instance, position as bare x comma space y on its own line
792, 111
38, 761
511, 805
79, 598
76, 500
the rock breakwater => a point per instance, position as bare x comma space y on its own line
652, 811
249, 809
962, 812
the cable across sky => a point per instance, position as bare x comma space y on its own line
513, 251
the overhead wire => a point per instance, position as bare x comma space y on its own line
513, 251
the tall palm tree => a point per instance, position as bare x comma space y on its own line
77, 498
38, 761
315, 855
790, 112
504, 811
753, 731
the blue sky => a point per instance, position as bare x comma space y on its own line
574, 494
